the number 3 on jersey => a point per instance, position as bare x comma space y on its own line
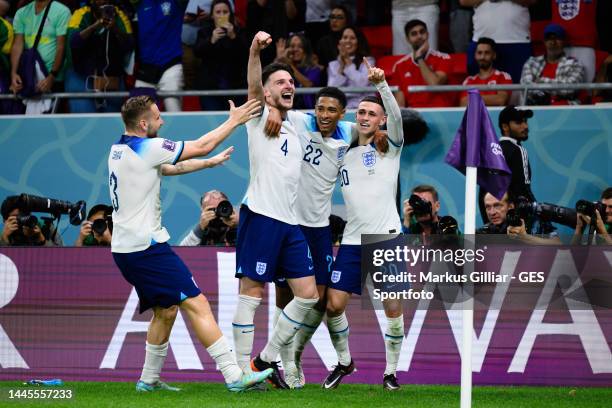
112, 181
284, 148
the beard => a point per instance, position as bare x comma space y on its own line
151, 133
484, 64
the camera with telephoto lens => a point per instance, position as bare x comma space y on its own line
588, 208
224, 209
419, 206
448, 225
31, 203
100, 225
545, 212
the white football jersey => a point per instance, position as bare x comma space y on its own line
369, 180
322, 159
274, 164
134, 168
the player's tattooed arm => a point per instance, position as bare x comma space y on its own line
189, 166
255, 86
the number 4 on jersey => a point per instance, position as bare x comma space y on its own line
284, 147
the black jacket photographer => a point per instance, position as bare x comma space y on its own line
24, 229
596, 217
421, 214
218, 222
504, 218
97, 229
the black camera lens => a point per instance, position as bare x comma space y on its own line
99, 226
27, 220
419, 206
585, 207
224, 209
448, 225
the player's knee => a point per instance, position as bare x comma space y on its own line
393, 308
334, 307
166, 315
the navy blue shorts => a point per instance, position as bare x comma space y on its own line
346, 270
269, 250
320, 243
160, 277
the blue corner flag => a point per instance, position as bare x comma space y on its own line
476, 145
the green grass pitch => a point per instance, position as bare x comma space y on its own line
97, 394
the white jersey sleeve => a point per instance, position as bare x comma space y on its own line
274, 164
395, 129
134, 167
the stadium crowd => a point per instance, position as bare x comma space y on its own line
174, 45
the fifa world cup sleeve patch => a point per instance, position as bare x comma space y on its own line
169, 145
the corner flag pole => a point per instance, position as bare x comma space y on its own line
468, 304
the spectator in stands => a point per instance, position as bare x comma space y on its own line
578, 19
6, 43
276, 17
506, 22
160, 50
297, 53
100, 39
403, 11
98, 228
327, 46
214, 228
348, 68
196, 13
223, 50
604, 75
488, 75
23, 229
554, 67
51, 48
424, 66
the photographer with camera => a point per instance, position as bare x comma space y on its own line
596, 217
24, 229
218, 222
421, 214
497, 212
98, 229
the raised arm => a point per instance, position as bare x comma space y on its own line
208, 142
255, 87
395, 130
191, 165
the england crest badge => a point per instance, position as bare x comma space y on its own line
568, 9
369, 158
335, 276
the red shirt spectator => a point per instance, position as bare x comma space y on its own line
578, 19
496, 78
406, 72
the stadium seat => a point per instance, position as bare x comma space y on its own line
191, 103
380, 39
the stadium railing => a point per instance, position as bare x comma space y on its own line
523, 88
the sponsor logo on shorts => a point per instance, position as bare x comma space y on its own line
335, 276
169, 145
260, 268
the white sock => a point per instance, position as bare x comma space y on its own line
394, 336
277, 313
154, 361
221, 352
309, 327
339, 331
288, 324
244, 330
